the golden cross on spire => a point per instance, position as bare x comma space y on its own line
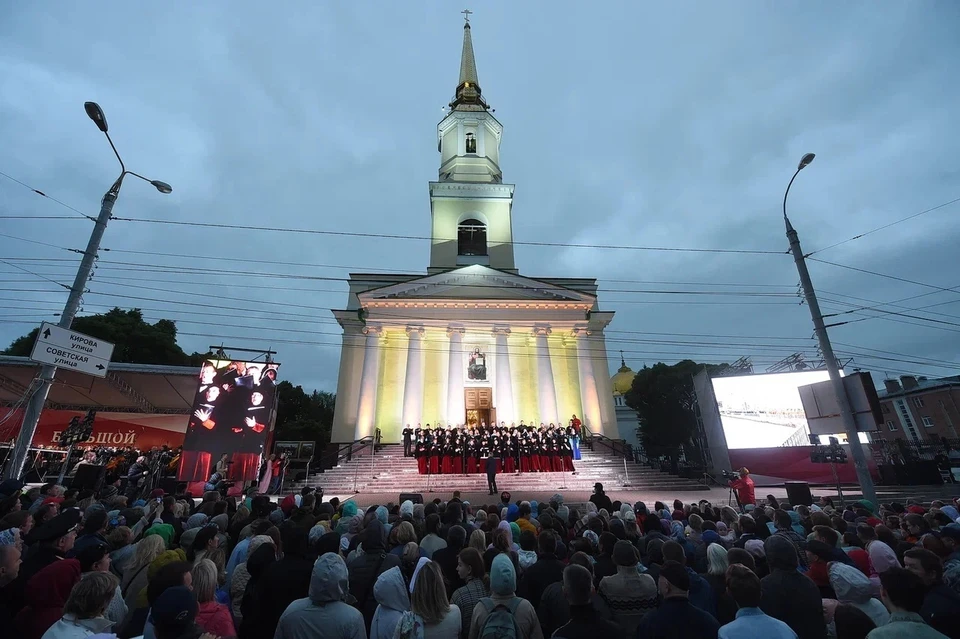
466, 15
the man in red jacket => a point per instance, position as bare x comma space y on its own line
744, 488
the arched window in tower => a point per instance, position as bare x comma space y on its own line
471, 143
471, 238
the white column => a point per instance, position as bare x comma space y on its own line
369, 381
601, 367
413, 380
589, 396
548, 392
455, 407
503, 399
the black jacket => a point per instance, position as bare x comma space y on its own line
601, 500
794, 599
604, 567
446, 558
365, 568
585, 623
554, 611
678, 618
548, 570
941, 609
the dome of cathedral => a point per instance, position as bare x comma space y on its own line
623, 380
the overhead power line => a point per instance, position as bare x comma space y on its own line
277, 229
52, 199
885, 226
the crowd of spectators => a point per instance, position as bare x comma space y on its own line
174, 567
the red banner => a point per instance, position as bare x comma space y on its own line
111, 430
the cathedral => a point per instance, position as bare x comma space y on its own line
471, 341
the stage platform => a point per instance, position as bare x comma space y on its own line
388, 471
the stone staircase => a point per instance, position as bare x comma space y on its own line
388, 471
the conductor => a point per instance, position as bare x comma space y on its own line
492, 460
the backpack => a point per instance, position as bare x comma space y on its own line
501, 622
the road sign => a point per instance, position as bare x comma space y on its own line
68, 349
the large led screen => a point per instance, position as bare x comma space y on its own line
764, 411
232, 412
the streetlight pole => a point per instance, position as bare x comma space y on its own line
31, 416
846, 414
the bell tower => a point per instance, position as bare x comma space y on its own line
470, 205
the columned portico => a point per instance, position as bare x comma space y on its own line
455, 405
503, 396
589, 397
413, 380
369, 382
545, 385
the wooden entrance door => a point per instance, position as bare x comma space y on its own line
478, 403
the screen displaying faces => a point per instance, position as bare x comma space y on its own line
232, 409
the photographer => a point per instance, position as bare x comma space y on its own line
744, 487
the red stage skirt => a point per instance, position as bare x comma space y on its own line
545, 464
194, 466
422, 465
471, 465
434, 465
511, 465
568, 463
535, 463
558, 464
525, 464
446, 465
457, 465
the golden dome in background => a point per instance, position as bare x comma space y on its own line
623, 380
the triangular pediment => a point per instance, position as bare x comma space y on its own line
477, 283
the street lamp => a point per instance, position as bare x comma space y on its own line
31, 416
849, 423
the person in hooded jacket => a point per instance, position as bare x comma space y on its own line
391, 592
324, 612
789, 595
853, 587
262, 558
366, 567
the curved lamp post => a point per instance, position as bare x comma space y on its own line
31, 416
843, 402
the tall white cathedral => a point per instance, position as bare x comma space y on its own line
472, 340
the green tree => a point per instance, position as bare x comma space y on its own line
302, 416
136, 341
665, 401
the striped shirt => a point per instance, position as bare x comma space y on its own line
466, 598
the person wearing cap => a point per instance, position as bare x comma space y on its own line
96, 558
503, 586
629, 594
789, 595
324, 612
53, 539
600, 499
173, 614
676, 616
744, 586
584, 620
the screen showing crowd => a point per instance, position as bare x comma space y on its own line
231, 413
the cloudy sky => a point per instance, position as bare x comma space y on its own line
626, 126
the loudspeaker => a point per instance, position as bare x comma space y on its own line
798, 492
89, 477
416, 498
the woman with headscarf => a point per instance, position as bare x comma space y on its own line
393, 599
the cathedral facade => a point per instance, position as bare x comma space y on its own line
472, 340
